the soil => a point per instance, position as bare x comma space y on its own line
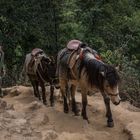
23, 117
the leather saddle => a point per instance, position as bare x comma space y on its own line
36, 51
72, 51
34, 61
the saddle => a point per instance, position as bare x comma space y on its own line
75, 50
34, 61
72, 51
36, 51
73, 44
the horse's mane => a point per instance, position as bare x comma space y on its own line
93, 69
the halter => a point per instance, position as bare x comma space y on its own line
110, 94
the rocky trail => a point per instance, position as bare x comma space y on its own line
23, 117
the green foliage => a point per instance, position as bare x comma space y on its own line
25, 25
69, 27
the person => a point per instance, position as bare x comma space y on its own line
2, 69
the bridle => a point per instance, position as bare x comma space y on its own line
110, 94
51, 80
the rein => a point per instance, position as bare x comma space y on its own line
39, 72
41, 77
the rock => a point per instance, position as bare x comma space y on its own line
12, 92
50, 135
39, 119
34, 106
20, 122
72, 136
10, 107
10, 114
133, 130
3, 105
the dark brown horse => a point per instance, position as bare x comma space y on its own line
40, 69
81, 68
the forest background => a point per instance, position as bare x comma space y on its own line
111, 27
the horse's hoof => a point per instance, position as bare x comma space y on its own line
52, 104
66, 111
86, 120
45, 103
77, 113
110, 124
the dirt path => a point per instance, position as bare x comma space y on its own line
26, 118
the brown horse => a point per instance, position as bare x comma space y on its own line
40, 69
80, 67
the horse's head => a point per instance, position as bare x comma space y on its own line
50, 69
110, 83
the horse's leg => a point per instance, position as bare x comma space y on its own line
34, 87
42, 85
63, 86
52, 95
110, 122
84, 104
74, 106
37, 90
68, 94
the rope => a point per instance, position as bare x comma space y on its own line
39, 72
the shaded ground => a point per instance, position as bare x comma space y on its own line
22, 117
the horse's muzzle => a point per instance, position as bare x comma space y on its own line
117, 103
